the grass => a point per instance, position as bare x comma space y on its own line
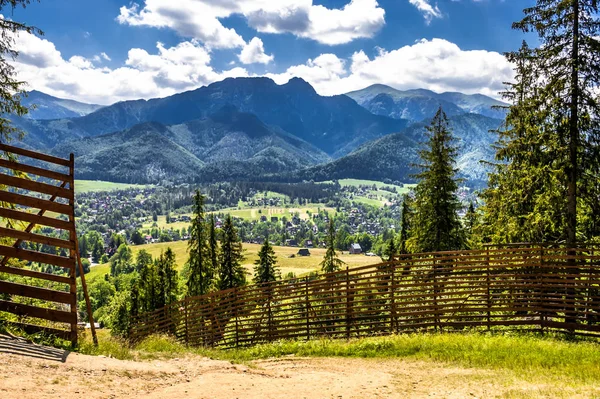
87, 186
300, 265
550, 358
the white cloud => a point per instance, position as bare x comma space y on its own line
254, 53
145, 75
201, 19
429, 11
437, 64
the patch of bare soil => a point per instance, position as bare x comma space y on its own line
31, 371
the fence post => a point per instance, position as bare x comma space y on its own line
307, 310
541, 298
185, 315
488, 293
392, 299
237, 327
435, 296
348, 311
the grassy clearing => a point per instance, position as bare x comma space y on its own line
300, 265
550, 359
87, 186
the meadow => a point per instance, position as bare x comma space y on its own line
88, 186
299, 265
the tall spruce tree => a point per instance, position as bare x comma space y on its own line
167, 278
231, 271
391, 250
568, 62
201, 272
266, 269
405, 223
213, 244
522, 202
331, 262
437, 226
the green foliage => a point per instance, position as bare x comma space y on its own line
11, 88
231, 271
331, 262
168, 282
199, 265
266, 269
405, 223
121, 261
436, 225
546, 183
391, 250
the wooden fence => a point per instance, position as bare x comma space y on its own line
536, 288
51, 204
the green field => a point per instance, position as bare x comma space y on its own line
88, 186
299, 265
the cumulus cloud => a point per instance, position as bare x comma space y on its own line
436, 64
254, 53
201, 19
145, 75
429, 11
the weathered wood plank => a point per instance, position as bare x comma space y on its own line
33, 256
33, 329
39, 313
34, 170
34, 274
32, 202
34, 155
30, 185
33, 218
35, 292
26, 236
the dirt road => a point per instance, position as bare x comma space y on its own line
31, 371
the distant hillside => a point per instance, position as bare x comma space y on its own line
420, 104
393, 156
142, 154
226, 145
49, 107
335, 125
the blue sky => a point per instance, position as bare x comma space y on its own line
111, 50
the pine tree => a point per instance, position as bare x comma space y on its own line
12, 89
568, 59
521, 202
405, 224
231, 271
167, 278
391, 250
266, 269
213, 245
331, 263
201, 272
437, 226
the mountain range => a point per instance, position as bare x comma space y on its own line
250, 128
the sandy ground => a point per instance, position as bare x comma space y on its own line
31, 371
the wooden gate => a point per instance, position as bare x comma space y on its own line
39, 266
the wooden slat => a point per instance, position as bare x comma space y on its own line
34, 274
31, 185
25, 236
33, 218
33, 329
32, 202
39, 313
34, 170
34, 256
35, 292
34, 155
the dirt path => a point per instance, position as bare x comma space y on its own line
30, 371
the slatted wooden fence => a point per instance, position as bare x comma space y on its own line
535, 288
38, 193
